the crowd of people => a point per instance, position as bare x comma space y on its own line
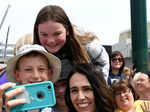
85, 77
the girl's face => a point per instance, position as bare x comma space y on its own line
52, 36
116, 62
33, 69
81, 94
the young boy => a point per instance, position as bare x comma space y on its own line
31, 64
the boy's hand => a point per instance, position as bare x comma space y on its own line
5, 97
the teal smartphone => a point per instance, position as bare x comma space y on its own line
38, 95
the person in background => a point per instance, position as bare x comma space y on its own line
124, 98
26, 39
3, 66
31, 64
95, 50
141, 85
126, 72
117, 64
54, 31
87, 90
60, 87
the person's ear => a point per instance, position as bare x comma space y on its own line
17, 75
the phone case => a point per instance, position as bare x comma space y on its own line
38, 95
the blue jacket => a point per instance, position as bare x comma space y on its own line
3, 78
112, 77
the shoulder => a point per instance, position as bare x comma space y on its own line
111, 75
95, 48
94, 44
3, 71
118, 110
138, 104
117, 76
3, 78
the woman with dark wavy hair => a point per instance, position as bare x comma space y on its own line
117, 64
87, 90
124, 98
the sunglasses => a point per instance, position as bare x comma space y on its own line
117, 59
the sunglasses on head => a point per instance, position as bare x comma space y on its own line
117, 59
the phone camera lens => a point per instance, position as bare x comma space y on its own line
40, 95
49, 87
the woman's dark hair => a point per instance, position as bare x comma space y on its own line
73, 48
102, 93
114, 54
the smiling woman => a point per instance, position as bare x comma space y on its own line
124, 97
141, 84
98, 22
117, 64
87, 90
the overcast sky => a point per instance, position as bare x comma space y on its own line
106, 18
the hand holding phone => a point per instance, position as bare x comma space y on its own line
37, 95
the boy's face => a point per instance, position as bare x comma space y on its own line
33, 69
